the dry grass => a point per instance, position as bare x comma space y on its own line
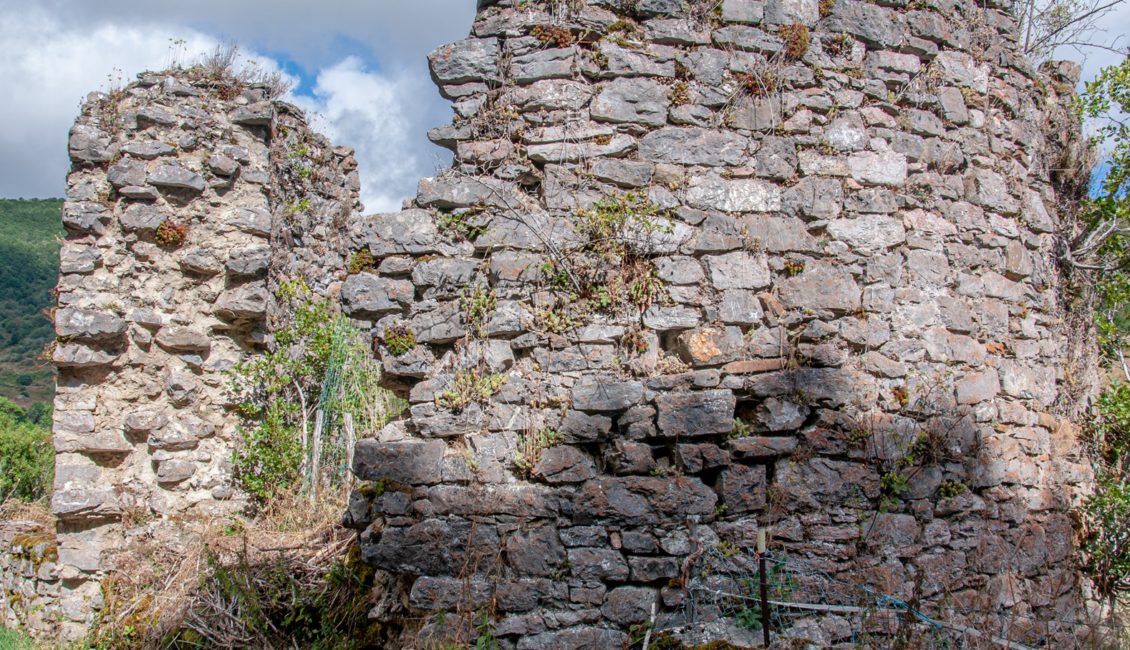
291, 577
38, 512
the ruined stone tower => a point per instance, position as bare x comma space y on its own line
698, 269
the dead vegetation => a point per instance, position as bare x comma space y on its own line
292, 577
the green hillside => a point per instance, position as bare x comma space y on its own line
29, 263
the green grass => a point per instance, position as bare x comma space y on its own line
29, 264
11, 640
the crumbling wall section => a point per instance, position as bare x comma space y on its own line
29, 579
701, 268
190, 198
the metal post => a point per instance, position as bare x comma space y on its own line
764, 579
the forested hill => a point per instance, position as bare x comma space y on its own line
29, 263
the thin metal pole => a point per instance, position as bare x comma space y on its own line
764, 579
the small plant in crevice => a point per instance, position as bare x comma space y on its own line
794, 268
553, 35
463, 225
741, 429
616, 222
680, 94
893, 486
901, 396
838, 45
361, 261
556, 320
478, 306
399, 339
530, 447
826, 7
470, 385
610, 270
796, 37
760, 84
949, 489
170, 234
298, 205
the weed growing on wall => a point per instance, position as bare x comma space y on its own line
610, 270
304, 401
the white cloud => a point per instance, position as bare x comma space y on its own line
370, 113
47, 71
57, 51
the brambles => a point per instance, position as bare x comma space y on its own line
470, 385
361, 261
530, 446
796, 38
399, 339
170, 234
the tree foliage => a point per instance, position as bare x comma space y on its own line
1103, 250
1104, 246
29, 266
1046, 25
27, 457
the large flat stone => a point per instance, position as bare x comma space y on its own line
696, 414
416, 462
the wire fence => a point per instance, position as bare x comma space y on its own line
804, 602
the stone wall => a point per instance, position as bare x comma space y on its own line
29, 578
190, 197
700, 268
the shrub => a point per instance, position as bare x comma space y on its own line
320, 364
292, 578
27, 456
1106, 513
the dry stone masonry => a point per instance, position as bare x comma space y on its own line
704, 267
698, 268
187, 202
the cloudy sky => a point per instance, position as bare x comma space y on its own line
359, 65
